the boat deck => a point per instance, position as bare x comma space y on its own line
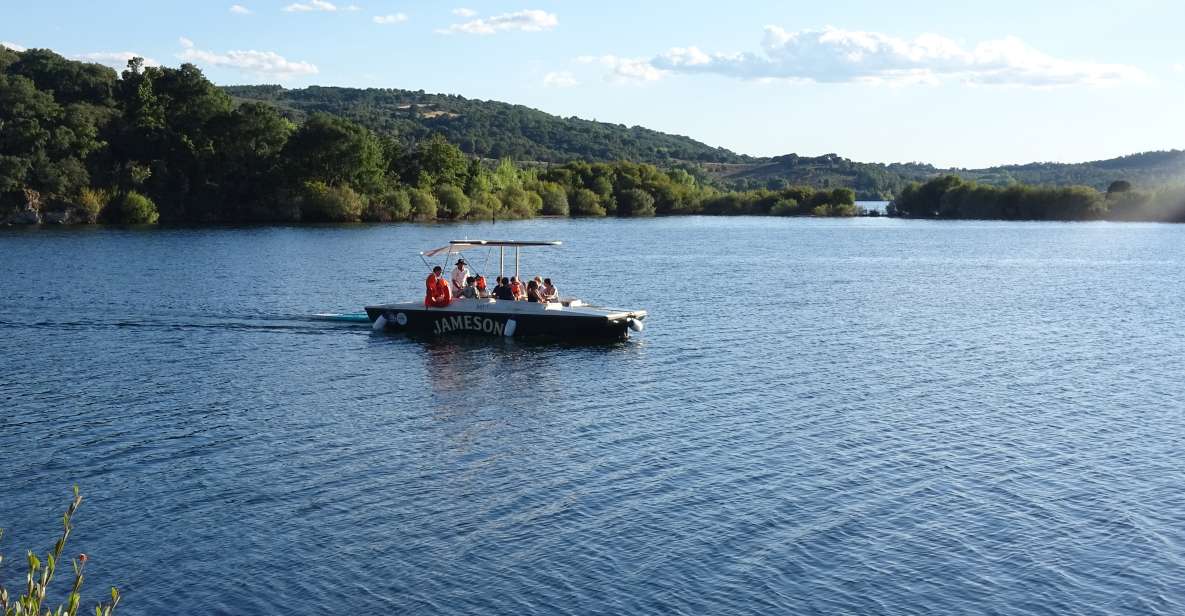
567, 308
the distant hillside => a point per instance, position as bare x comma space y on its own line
488, 129
869, 180
876, 180
493, 129
1147, 169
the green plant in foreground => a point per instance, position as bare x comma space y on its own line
41, 574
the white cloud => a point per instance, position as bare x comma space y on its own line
560, 79
397, 18
464, 12
625, 70
1180, 68
13, 46
261, 63
117, 60
523, 21
352, 8
834, 56
313, 5
239, 9
186, 43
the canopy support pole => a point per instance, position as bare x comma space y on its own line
516, 274
501, 261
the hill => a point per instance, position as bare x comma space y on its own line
488, 129
881, 181
869, 180
493, 129
1145, 169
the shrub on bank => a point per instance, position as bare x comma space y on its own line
555, 200
452, 202
484, 205
784, 207
132, 208
392, 206
92, 202
635, 203
520, 203
423, 204
323, 203
952, 197
586, 203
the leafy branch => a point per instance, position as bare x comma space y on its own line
41, 574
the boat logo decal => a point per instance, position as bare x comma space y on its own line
401, 318
468, 322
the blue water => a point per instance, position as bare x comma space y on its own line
823, 416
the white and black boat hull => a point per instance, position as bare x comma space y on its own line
481, 320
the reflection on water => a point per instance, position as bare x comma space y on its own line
822, 416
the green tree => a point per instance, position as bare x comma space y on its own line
132, 208
520, 203
784, 207
585, 202
635, 202
1118, 186
335, 151
394, 205
452, 202
320, 202
247, 163
484, 205
505, 176
435, 161
555, 199
423, 204
41, 144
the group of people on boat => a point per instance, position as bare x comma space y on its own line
463, 284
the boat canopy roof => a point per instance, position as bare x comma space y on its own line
460, 245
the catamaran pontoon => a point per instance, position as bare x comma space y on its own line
568, 318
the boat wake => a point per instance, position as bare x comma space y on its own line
348, 317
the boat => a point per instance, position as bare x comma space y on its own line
568, 318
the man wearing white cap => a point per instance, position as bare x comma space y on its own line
460, 273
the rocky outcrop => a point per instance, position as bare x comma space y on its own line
57, 211
25, 211
29, 207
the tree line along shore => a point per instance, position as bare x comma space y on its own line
80, 143
950, 197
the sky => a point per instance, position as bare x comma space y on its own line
953, 84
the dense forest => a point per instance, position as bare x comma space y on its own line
80, 143
953, 197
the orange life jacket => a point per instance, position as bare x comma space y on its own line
481, 283
437, 292
516, 288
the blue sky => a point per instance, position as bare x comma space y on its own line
998, 82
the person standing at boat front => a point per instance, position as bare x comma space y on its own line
458, 277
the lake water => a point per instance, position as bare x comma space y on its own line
865, 416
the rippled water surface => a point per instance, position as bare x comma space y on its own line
860, 416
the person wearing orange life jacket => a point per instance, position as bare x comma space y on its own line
436, 292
